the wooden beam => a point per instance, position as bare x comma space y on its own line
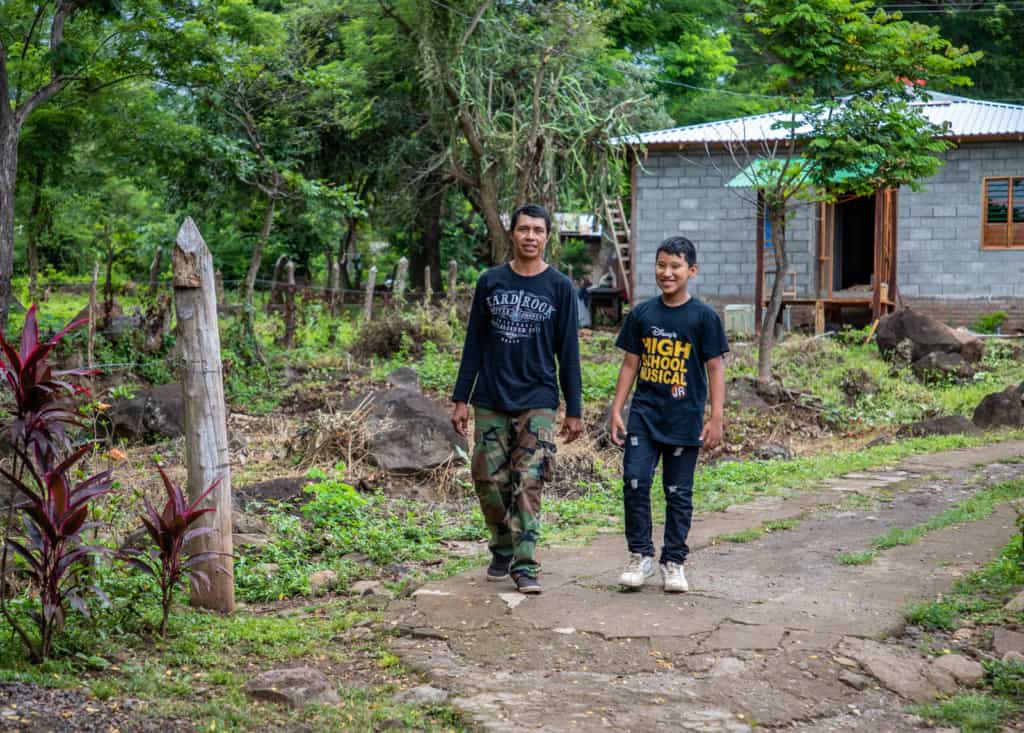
206, 432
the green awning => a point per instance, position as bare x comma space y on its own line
764, 171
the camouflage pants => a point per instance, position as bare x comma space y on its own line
513, 456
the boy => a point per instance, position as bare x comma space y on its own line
670, 341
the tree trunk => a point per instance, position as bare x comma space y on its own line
250, 276
108, 284
8, 176
31, 244
501, 245
425, 250
347, 254
777, 217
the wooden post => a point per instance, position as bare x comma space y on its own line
569, 273
335, 298
288, 340
275, 283
154, 271
453, 279
206, 434
428, 291
371, 283
218, 287
92, 314
400, 277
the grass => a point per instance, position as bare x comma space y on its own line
855, 558
755, 533
972, 713
977, 507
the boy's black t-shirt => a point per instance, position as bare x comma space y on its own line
517, 327
673, 343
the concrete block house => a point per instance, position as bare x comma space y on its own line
954, 250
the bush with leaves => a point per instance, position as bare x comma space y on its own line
42, 404
170, 531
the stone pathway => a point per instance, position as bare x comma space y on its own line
774, 632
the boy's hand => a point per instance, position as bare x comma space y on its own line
460, 418
712, 433
617, 428
572, 428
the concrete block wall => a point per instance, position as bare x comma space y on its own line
684, 194
939, 246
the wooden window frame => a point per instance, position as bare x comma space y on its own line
1014, 240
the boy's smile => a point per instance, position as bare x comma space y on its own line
673, 273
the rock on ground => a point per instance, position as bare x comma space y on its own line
938, 366
296, 687
422, 695
965, 671
158, 412
1000, 409
947, 425
926, 335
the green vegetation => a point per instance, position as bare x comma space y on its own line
990, 322
754, 533
855, 558
978, 506
973, 712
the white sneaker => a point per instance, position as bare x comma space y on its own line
674, 577
638, 569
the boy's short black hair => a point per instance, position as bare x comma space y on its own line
680, 247
535, 211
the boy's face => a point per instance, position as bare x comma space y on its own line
529, 235
673, 273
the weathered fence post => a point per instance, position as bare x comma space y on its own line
91, 344
218, 288
371, 283
400, 278
288, 340
428, 290
569, 273
206, 434
275, 282
453, 279
154, 270
334, 306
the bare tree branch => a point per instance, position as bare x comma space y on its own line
475, 22
399, 20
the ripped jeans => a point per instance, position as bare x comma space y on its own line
638, 466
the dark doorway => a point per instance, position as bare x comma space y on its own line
854, 245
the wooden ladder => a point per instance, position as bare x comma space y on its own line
620, 237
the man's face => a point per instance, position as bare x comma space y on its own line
673, 273
529, 235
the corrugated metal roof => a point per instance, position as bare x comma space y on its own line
964, 118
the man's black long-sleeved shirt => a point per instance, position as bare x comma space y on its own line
517, 327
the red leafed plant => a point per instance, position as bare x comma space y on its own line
42, 404
54, 514
169, 530
43, 401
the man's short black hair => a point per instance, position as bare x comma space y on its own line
680, 247
535, 211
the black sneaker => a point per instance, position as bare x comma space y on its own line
498, 569
526, 583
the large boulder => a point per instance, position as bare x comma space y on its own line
410, 432
947, 425
939, 366
151, 413
1000, 409
927, 336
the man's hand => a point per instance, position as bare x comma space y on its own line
572, 428
460, 419
617, 428
712, 433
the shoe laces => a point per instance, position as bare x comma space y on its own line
635, 564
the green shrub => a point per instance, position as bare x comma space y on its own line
989, 323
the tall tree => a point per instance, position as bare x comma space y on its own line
46, 47
525, 98
848, 77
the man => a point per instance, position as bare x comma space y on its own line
523, 318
